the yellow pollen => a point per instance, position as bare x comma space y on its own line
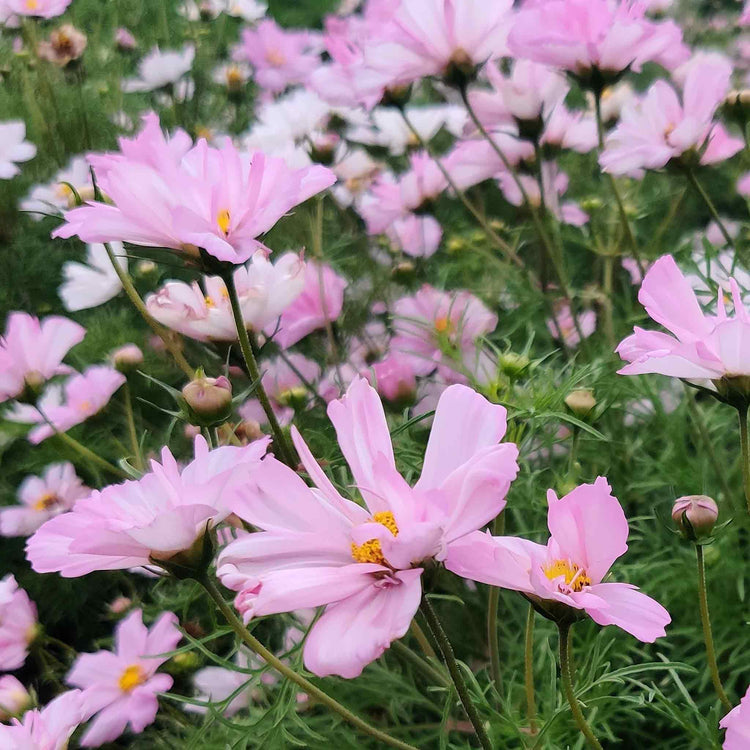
209, 301
443, 325
607, 93
84, 406
275, 57
223, 220
63, 191
574, 576
45, 501
32, 4
668, 130
131, 678
234, 76
370, 551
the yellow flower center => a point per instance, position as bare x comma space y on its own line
370, 551
45, 501
32, 4
84, 406
443, 325
234, 76
275, 57
131, 678
209, 301
223, 220
574, 576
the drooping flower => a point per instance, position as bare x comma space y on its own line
588, 532
47, 728
41, 498
265, 291
157, 516
318, 548
39, 8
169, 194
90, 284
737, 724
159, 69
31, 351
13, 148
18, 624
120, 687
14, 697
664, 127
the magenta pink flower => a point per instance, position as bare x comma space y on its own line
157, 516
564, 323
39, 8
663, 127
698, 347
31, 351
595, 38
394, 378
279, 57
417, 236
47, 728
120, 687
18, 624
41, 498
169, 194
320, 302
588, 532
737, 724
317, 548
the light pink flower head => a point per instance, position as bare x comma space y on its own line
588, 532
737, 724
120, 687
14, 697
159, 515
699, 347
124, 39
18, 624
38, 8
159, 69
41, 498
441, 329
318, 548
320, 303
265, 290
417, 236
664, 126
564, 323
47, 728
13, 148
31, 351
595, 40
279, 57
395, 379
166, 193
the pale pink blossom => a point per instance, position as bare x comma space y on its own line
568, 129
356, 171
394, 378
13, 148
38, 8
56, 196
169, 194
157, 516
318, 548
743, 185
159, 69
18, 624
319, 304
124, 39
14, 697
41, 498
737, 723
90, 284
588, 532
47, 728
265, 291
120, 687
31, 351
564, 323
417, 236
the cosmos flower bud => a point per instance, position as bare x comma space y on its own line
120, 604
14, 698
460, 70
580, 401
695, 516
208, 400
513, 365
249, 430
126, 358
125, 40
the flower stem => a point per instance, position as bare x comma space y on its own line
707, 635
135, 445
285, 452
567, 681
90, 456
745, 449
312, 690
493, 601
455, 672
528, 671
693, 180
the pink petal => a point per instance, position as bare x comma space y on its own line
631, 610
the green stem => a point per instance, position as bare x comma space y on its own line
285, 452
745, 449
422, 640
90, 456
707, 634
312, 690
429, 670
493, 601
433, 623
528, 671
693, 180
567, 680
134, 444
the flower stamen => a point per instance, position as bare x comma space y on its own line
574, 577
371, 551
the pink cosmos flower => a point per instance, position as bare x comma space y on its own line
431, 37
605, 36
565, 323
47, 728
39, 8
120, 687
124, 39
55, 196
41, 498
698, 346
14, 697
662, 127
437, 328
169, 194
31, 351
157, 516
318, 548
18, 624
588, 532
567, 129
737, 724
265, 290
417, 236
395, 379
743, 185
83, 396
13, 148
320, 302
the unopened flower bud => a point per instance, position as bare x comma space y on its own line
695, 516
513, 365
249, 430
127, 358
208, 400
145, 268
124, 39
323, 148
120, 604
397, 96
581, 401
14, 697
